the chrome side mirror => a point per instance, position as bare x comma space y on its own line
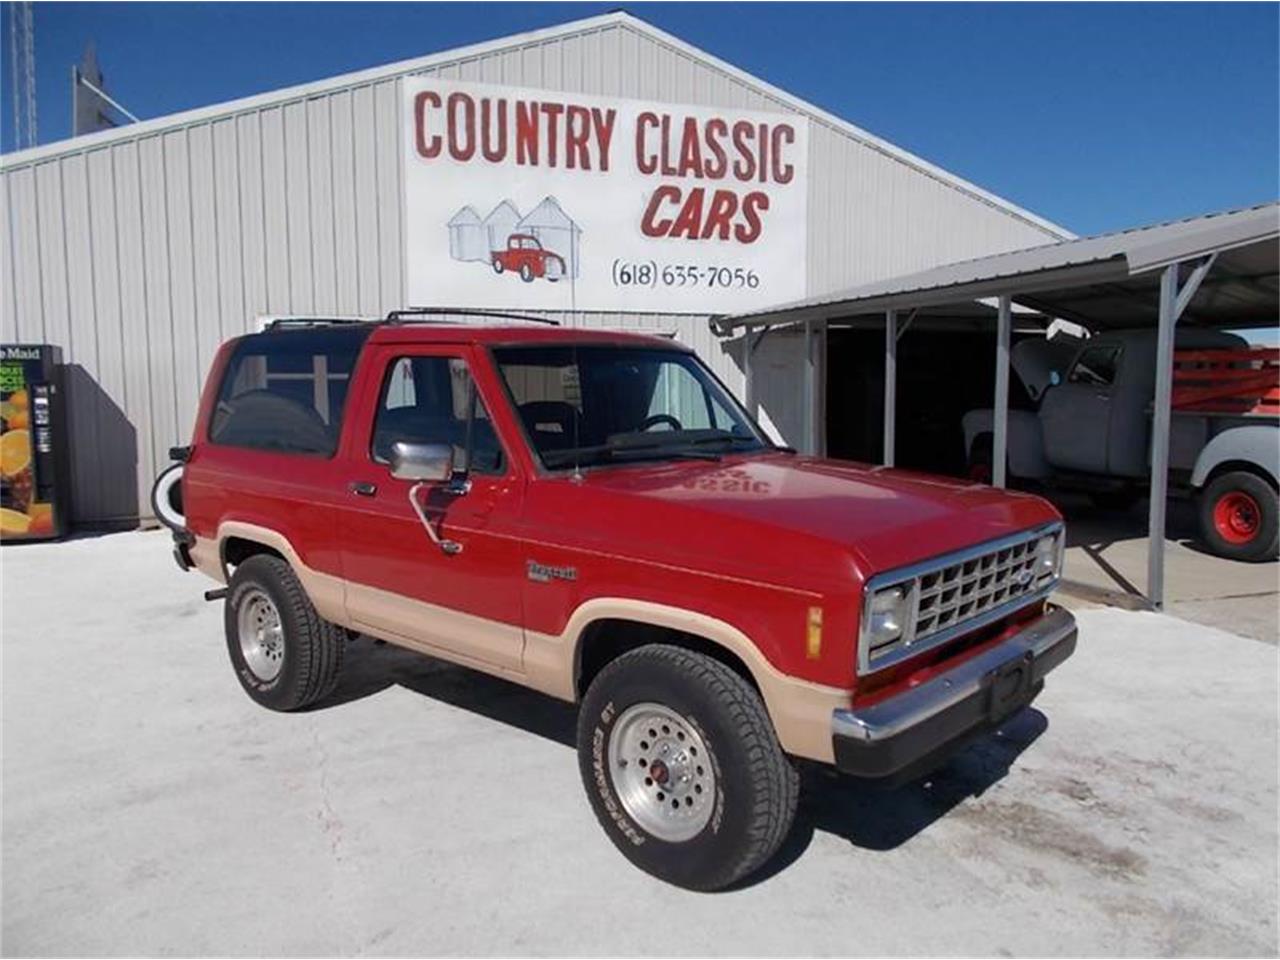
427, 462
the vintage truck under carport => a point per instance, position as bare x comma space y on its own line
1218, 271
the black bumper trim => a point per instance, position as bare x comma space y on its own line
903, 737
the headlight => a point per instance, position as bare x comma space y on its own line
887, 615
1046, 557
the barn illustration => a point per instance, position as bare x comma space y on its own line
468, 239
555, 230
546, 242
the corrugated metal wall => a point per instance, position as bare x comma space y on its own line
139, 255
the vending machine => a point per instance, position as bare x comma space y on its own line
33, 444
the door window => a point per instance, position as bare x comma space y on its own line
1097, 366
432, 400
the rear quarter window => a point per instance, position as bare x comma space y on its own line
286, 391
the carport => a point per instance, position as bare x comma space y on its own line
1218, 271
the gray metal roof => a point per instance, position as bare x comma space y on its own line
1105, 281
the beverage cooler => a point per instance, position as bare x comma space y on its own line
33, 443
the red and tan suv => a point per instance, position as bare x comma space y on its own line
593, 515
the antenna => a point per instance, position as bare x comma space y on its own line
22, 57
577, 433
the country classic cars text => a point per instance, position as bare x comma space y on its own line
741, 161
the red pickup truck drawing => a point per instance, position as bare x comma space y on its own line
526, 256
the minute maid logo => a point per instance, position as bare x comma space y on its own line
21, 353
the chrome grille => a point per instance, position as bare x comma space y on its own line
963, 591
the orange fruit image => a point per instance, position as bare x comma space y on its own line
15, 452
40, 516
11, 522
19, 399
20, 420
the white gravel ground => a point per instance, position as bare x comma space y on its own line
149, 807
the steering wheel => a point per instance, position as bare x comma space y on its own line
658, 418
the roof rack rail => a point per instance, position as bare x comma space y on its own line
425, 315
282, 323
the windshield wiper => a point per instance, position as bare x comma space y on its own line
583, 456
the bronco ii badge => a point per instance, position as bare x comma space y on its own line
544, 573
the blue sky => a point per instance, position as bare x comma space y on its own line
1097, 116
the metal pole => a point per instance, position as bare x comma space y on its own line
1160, 417
1000, 442
749, 386
890, 384
810, 389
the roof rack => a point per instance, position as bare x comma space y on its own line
287, 323
425, 315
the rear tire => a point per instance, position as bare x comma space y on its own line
285, 656
1239, 516
981, 457
722, 818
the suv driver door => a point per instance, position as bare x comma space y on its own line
397, 579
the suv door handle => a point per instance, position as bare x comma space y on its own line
362, 489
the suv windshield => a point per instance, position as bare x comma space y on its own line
591, 405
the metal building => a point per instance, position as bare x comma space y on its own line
138, 250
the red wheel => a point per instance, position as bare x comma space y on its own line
1237, 517
1240, 517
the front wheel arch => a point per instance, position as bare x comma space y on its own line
606, 639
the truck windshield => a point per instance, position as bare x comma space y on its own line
592, 405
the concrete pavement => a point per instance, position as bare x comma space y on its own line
1106, 560
149, 807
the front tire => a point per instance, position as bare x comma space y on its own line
1240, 517
683, 769
284, 654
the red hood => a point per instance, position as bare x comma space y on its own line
884, 517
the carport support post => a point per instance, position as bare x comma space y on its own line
1000, 440
810, 391
890, 383
1161, 417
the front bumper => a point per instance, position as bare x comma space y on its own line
905, 735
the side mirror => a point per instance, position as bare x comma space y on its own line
428, 462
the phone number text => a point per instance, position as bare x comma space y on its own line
648, 273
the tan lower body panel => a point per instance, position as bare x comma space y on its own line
800, 710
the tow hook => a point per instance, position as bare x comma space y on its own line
219, 594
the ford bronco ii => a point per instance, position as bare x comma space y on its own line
593, 515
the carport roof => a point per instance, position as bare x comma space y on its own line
1106, 281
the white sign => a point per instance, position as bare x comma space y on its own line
540, 200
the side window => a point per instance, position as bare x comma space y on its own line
428, 400
285, 391
1096, 366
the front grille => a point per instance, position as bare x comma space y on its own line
960, 592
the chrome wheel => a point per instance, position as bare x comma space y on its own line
261, 635
662, 771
